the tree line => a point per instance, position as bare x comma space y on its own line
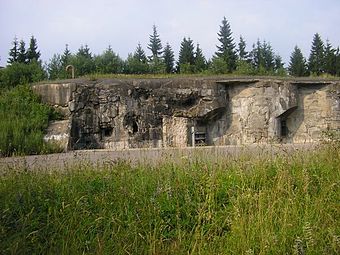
230, 57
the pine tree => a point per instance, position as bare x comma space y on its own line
65, 58
186, 58
316, 57
200, 61
83, 61
329, 59
108, 62
22, 56
297, 65
140, 55
169, 58
268, 56
84, 51
14, 52
55, 68
278, 64
226, 50
256, 56
155, 44
337, 62
32, 51
242, 53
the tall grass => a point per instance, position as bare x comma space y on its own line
23, 120
285, 205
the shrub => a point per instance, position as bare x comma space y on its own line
20, 73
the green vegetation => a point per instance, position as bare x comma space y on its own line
229, 58
23, 120
287, 204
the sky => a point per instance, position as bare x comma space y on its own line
125, 23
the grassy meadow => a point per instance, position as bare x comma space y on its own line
287, 204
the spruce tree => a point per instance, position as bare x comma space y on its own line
14, 52
169, 58
22, 56
256, 55
297, 65
226, 50
55, 68
200, 61
137, 63
155, 44
140, 55
32, 51
278, 64
316, 57
65, 58
242, 53
186, 58
268, 56
337, 62
329, 59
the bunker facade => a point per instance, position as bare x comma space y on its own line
180, 112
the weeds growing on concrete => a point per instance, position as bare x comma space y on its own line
283, 205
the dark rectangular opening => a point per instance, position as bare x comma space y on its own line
284, 128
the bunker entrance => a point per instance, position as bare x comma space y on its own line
199, 136
282, 124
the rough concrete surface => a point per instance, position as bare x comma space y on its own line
154, 113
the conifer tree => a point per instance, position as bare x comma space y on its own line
65, 58
226, 49
155, 44
14, 52
256, 55
268, 56
186, 58
329, 59
316, 57
200, 61
169, 58
140, 55
337, 62
242, 53
278, 64
22, 56
55, 68
297, 65
32, 51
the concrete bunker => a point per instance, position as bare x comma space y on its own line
148, 113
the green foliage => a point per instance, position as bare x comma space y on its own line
55, 68
169, 59
279, 205
242, 53
14, 52
32, 52
316, 57
22, 55
329, 59
226, 50
218, 66
200, 61
108, 62
83, 61
155, 45
186, 56
19, 73
297, 65
244, 68
23, 120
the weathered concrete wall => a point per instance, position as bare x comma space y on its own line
133, 113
